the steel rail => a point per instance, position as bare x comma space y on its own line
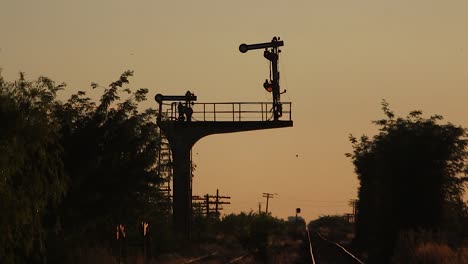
341, 247
201, 258
238, 258
310, 246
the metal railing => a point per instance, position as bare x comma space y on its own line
231, 111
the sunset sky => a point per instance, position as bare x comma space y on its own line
340, 59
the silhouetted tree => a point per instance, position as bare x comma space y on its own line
110, 154
411, 176
32, 178
72, 171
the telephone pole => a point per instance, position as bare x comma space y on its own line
218, 202
207, 200
267, 196
207, 203
353, 204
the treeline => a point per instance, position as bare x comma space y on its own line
71, 171
254, 232
336, 228
412, 176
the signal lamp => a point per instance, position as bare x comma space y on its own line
268, 86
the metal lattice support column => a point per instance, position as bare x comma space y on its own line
164, 169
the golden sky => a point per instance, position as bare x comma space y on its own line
340, 59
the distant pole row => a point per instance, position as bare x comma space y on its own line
207, 200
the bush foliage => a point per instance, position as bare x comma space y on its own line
73, 171
412, 175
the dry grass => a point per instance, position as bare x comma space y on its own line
425, 247
428, 253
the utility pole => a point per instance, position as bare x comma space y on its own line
349, 218
259, 208
267, 196
198, 204
353, 204
207, 200
218, 201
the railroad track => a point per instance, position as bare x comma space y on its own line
217, 258
201, 259
323, 251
